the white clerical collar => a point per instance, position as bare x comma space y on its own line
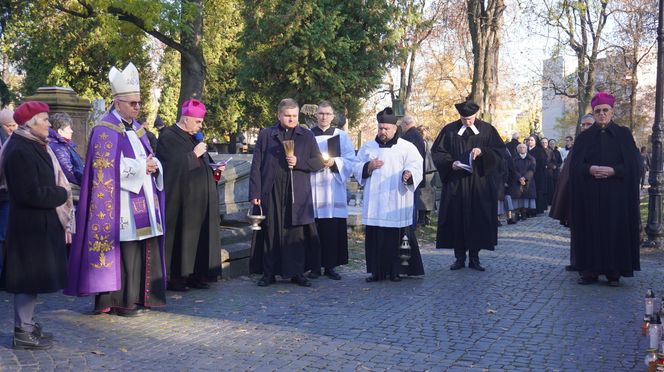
472, 127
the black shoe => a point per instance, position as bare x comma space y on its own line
395, 278
475, 265
176, 286
571, 268
313, 274
266, 280
511, 221
39, 332
197, 284
585, 280
24, 340
332, 274
458, 264
614, 283
127, 313
301, 281
498, 223
372, 278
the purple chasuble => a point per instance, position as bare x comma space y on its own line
94, 260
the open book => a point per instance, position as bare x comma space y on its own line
217, 165
466, 165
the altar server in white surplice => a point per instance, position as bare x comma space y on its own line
329, 192
389, 168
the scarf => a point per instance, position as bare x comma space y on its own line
65, 211
523, 156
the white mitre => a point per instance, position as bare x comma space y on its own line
124, 83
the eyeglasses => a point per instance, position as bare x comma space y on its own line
599, 110
324, 113
132, 103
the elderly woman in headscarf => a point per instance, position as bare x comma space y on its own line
40, 221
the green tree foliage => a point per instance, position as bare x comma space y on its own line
312, 50
221, 42
79, 57
169, 71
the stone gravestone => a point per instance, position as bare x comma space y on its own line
60, 99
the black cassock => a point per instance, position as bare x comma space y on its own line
192, 243
467, 213
541, 160
605, 215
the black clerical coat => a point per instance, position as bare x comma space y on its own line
605, 215
541, 160
467, 213
192, 206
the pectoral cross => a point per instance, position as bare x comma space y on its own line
123, 223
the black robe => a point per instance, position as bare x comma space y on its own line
467, 213
288, 243
605, 215
192, 243
539, 154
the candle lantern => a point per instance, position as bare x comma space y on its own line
404, 251
650, 302
655, 332
651, 359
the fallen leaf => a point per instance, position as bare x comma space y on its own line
124, 350
97, 352
176, 297
491, 311
199, 301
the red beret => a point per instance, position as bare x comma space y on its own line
602, 98
28, 110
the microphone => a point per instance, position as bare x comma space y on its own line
198, 137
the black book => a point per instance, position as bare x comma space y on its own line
334, 147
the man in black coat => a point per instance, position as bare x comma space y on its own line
467, 214
193, 253
604, 190
280, 184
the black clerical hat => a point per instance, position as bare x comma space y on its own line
386, 116
467, 108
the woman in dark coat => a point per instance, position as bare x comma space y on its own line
40, 210
523, 189
537, 152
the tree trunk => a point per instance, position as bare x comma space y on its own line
484, 24
192, 75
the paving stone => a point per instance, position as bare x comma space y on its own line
524, 313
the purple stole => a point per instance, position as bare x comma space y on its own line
94, 261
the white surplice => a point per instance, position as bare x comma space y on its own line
133, 177
388, 202
328, 189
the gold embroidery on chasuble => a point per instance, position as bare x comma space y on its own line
103, 190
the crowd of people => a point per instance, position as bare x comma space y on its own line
147, 220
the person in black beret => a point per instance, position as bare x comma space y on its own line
466, 153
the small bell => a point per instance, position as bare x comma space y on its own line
404, 251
